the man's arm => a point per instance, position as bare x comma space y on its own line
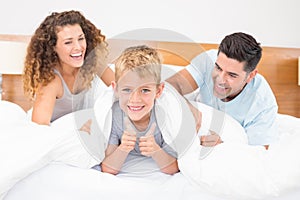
184, 83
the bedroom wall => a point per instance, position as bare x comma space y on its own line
273, 23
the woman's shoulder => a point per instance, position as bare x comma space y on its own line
56, 82
54, 86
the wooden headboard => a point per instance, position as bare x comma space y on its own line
278, 65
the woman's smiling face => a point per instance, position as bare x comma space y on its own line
71, 45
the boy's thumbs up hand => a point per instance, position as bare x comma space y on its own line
128, 139
147, 143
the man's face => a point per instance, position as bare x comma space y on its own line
229, 77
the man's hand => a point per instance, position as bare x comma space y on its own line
210, 140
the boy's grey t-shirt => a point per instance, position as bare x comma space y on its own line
136, 162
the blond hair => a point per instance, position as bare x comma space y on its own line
144, 60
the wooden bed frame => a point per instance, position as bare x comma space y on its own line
278, 65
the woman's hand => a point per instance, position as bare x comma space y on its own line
87, 126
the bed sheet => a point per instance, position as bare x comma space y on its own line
67, 182
60, 181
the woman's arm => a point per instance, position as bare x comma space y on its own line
43, 105
107, 76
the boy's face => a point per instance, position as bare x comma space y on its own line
136, 95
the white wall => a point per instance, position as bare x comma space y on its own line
271, 22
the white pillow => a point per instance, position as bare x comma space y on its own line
233, 168
10, 113
223, 124
83, 149
237, 170
24, 148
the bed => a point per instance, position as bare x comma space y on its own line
41, 162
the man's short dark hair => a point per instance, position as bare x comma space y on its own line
243, 48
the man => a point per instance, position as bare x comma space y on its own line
228, 81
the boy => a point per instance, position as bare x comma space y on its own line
136, 144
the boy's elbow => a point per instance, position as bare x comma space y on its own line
171, 169
109, 170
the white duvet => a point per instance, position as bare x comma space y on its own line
40, 162
238, 170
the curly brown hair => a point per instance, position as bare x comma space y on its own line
41, 57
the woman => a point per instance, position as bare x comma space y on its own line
64, 56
